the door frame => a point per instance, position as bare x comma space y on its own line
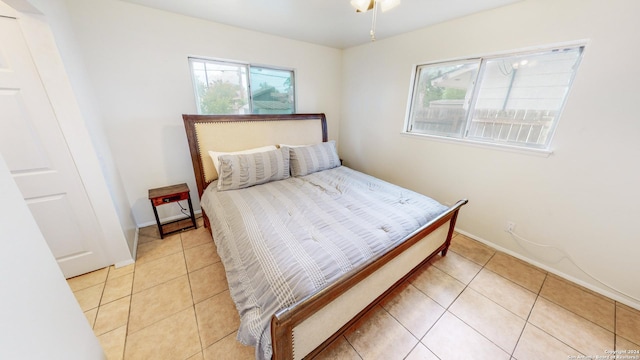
50, 67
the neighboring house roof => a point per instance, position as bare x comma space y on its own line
264, 93
271, 105
270, 99
458, 78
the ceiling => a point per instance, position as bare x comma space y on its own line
331, 23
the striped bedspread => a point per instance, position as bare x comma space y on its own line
284, 240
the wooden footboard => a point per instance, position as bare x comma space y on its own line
305, 328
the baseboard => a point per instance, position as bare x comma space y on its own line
601, 291
123, 263
170, 218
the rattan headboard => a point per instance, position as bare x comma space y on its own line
239, 132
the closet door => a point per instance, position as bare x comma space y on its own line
40, 162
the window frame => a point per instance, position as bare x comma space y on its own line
476, 88
416, 83
247, 66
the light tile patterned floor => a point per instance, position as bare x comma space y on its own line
474, 303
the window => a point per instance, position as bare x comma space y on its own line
511, 100
236, 88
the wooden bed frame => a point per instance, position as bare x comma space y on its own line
311, 324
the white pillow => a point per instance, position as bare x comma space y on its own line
215, 154
292, 146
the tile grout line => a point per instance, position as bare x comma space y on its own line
160, 283
516, 284
192, 306
526, 321
202, 347
193, 303
446, 309
104, 286
615, 325
403, 326
98, 311
350, 344
578, 315
464, 322
429, 263
159, 320
126, 332
539, 295
164, 318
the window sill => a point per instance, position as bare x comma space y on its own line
502, 147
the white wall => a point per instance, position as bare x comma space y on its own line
137, 63
580, 199
40, 316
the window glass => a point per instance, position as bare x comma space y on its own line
517, 98
224, 88
221, 88
272, 91
441, 98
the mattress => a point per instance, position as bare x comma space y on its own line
284, 240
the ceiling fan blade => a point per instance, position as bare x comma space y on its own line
362, 5
388, 4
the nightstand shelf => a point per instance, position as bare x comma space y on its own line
167, 195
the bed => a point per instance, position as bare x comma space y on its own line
333, 241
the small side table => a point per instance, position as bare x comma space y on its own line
167, 195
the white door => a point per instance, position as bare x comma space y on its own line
37, 155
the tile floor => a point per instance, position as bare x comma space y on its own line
474, 303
